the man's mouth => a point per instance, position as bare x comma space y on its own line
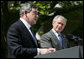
35, 19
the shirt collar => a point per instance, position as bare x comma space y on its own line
25, 23
55, 32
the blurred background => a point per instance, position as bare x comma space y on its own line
72, 10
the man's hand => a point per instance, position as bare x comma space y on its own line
45, 51
51, 50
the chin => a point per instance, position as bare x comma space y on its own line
34, 23
56, 31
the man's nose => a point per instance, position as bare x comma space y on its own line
36, 16
60, 25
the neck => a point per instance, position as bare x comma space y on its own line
55, 30
26, 20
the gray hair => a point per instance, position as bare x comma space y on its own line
28, 7
59, 16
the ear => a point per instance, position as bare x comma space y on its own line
25, 12
52, 22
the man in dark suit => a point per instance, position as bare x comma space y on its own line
54, 38
21, 40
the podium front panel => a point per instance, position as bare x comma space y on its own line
64, 53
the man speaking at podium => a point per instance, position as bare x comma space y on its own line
54, 38
21, 40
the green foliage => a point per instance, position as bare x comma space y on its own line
43, 7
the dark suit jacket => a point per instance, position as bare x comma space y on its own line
49, 40
20, 42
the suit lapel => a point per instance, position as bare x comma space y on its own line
56, 40
26, 31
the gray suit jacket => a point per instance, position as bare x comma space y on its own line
49, 40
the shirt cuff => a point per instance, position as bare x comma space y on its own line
38, 53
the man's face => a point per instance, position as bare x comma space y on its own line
32, 16
58, 25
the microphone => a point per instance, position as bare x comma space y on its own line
74, 38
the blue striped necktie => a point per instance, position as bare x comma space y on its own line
60, 39
34, 36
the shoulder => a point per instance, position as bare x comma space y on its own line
46, 35
15, 24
